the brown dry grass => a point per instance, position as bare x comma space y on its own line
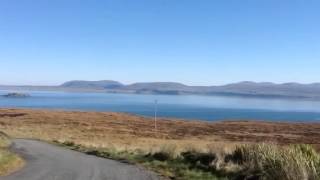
124, 131
9, 162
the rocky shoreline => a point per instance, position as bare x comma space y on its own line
16, 95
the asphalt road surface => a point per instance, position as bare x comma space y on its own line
48, 162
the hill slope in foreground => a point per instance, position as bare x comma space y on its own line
129, 131
179, 149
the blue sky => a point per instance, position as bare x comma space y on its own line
201, 42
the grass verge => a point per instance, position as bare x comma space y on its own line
163, 162
244, 162
9, 162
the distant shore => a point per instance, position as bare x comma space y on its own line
153, 92
241, 89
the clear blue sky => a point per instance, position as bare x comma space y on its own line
201, 42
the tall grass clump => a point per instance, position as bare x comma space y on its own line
9, 161
269, 162
166, 152
4, 140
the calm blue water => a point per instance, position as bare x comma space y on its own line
184, 106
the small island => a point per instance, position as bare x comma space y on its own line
17, 95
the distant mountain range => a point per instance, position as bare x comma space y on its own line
249, 89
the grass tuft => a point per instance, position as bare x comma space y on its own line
265, 161
9, 162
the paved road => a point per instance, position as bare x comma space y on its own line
49, 162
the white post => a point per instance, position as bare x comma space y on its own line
155, 114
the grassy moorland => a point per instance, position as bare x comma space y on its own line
179, 149
9, 162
